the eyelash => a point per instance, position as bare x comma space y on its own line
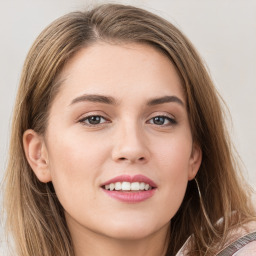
86, 120
171, 121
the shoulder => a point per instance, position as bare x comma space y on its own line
247, 250
242, 241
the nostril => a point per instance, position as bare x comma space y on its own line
141, 159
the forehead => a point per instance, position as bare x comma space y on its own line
120, 70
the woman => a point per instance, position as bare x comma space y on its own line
118, 145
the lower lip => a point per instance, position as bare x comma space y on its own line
130, 197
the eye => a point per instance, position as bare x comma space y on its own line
162, 120
93, 120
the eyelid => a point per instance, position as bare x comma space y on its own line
92, 113
164, 114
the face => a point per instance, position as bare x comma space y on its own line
118, 146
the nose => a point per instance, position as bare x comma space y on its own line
130, 145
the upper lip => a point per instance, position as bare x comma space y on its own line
128, 178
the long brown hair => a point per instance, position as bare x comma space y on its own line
34, 215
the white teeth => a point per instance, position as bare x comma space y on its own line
127, 186
135, 186
142, 185
118, 186
111, 186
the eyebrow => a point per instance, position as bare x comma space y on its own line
110, 100
165, 99
94, 98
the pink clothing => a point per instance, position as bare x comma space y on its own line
242, 242
248, 250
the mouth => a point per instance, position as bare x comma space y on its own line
128, 186
130, 189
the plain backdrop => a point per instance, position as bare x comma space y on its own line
223, 31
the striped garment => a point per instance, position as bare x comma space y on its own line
242, 242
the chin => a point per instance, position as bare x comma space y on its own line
134, 230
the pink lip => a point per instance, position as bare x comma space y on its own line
136, 178
131, 197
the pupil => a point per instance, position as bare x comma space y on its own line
159, 120
94, 120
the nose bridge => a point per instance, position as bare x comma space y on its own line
130, 143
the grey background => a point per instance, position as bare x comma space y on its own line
223, 31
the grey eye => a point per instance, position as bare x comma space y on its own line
159, 120
93, 120
162, 120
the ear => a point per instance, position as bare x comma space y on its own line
36, 154
195, 161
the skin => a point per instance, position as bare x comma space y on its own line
79, 157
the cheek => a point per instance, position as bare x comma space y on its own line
173, 161
74, 153
74, 164
174, 155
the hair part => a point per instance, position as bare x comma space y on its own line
34, 214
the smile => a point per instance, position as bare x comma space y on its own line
130, 189
128, 186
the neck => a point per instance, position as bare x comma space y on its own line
89, 243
